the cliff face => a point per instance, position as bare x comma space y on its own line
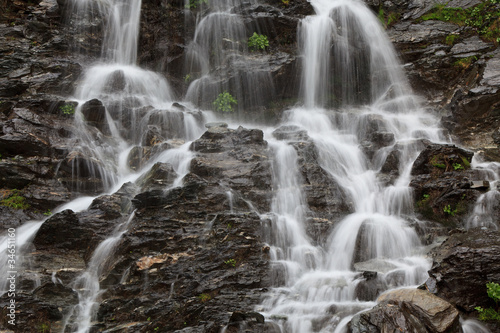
196, 259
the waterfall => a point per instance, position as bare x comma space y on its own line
218, 58
348, 64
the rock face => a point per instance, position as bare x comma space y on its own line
462, 266
408, 310
442, 183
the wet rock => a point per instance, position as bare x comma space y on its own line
95, 115
469, 47
56, 294
291, 133
152, 136
408, 310
160, 176
462, 266
437, 158
63, 231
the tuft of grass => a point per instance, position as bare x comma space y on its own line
13, 199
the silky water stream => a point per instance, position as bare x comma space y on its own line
351, 81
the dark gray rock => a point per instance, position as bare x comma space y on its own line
462, 266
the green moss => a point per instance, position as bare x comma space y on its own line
484, 18
13, 199
465, 62
451, 38
387, 19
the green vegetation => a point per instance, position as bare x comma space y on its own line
493, 290
465, 62
187, 78
224, 102
484, 18
44, 328
457, 166
230, 262
465, 162
387, 19
451, 38
195, 3
448, 210
257, 42
67, 109
13, 199
204, 297
47, 213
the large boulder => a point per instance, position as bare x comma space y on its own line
462, 266
408, 310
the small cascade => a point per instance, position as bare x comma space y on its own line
87, 284
348, 60
219, 60
486, 205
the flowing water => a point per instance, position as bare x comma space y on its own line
351, 84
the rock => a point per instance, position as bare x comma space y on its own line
469, 47
63, 231
291, 133
408, 310
437, 158
95, 115
462, 266
160, 176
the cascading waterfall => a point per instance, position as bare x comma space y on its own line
349, 65
319, 288
218, 59
484, 209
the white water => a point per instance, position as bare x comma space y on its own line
487, 204
318, 291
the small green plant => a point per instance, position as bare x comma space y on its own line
44, 328
465, 62
257, 42
14, 200
230, 262
224, 102
195, 3
387, 20
493, 290
204, 297
67, 109
426, 196
448, 210
458, 166
465, 162
47, 213
451, 38
187, 78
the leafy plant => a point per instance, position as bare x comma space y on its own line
230, 262
257, 42
47, 213
493, 290
12, 199
458, 166
67, 109
448, 210
187, 78
224, 102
